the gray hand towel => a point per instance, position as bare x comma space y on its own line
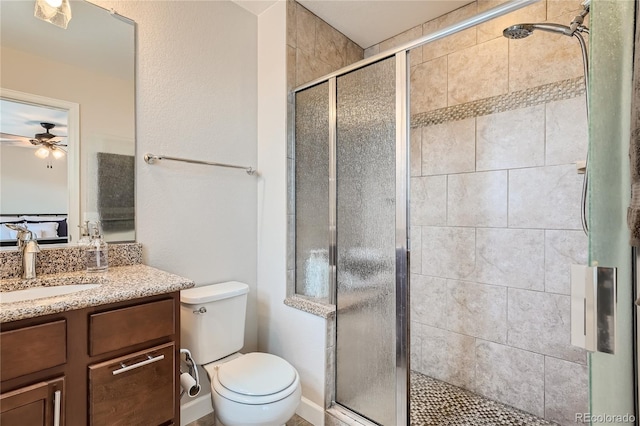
116, 191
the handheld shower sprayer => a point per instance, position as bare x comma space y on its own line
525, 30
575, 29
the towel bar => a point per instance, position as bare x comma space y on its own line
151, 158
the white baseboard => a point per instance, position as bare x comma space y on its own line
311, 412
195, 408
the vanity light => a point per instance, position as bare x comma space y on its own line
56, 12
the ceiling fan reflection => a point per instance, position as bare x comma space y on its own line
50, 144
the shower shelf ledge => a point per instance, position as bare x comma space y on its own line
310, 306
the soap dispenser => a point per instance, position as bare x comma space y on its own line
85, 237
97, 251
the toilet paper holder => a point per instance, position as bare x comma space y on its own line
194, 385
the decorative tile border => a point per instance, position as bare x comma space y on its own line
565, 89
67, 259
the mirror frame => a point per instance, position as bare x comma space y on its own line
73, 151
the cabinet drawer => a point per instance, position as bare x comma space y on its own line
30, 349
117, 329
137, 389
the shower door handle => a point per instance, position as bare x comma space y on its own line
594, 308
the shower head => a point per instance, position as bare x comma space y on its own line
516, 32
525, 30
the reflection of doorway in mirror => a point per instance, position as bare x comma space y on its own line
43, 186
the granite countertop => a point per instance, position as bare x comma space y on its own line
117, 284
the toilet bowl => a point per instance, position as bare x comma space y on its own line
256, 389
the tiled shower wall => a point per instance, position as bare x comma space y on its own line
497, 126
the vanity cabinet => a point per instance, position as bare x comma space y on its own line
114, 364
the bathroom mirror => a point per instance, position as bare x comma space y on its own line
88, 72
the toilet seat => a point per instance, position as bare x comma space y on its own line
254, 379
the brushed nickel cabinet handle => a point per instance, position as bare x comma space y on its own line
149, 360
56, 407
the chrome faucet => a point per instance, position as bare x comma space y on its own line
28, 246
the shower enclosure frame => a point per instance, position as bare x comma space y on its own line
402, 242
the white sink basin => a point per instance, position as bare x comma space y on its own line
42, 292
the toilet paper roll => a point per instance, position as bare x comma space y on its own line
189, 385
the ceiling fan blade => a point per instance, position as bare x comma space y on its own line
12, 136
8, 139
14, 142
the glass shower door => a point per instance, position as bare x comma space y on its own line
371, 208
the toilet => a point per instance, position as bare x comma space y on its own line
256, 389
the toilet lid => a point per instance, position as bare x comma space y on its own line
256, 374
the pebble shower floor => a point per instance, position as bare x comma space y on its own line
436, 403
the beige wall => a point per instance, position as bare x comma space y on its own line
497, 125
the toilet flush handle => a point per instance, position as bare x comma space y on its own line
202, 310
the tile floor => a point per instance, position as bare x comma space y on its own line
436, 403
209, 420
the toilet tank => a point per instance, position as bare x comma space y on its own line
212, 320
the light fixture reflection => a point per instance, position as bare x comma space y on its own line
42, 152
57, 153
56, 12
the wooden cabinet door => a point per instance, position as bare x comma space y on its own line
137, 389
41, 404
